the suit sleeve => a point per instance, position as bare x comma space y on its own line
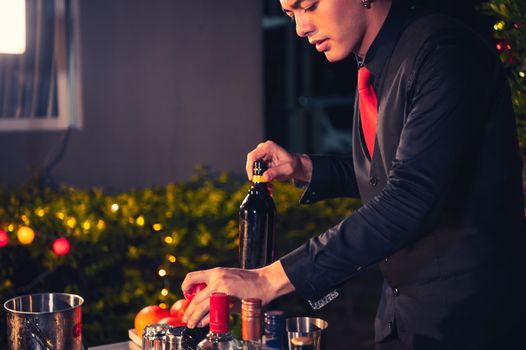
332, 177
450, 93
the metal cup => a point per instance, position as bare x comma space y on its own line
305, 327
48, 321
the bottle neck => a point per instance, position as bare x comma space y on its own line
218, 313
258, 179
219, 328
251, 329
251, 320
222, 337
260, 186
213, 334
275, 329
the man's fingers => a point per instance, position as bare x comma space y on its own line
258, 153
204, 321
265, 151
198, 308
279, 172
199, 311
248, 166
195, 277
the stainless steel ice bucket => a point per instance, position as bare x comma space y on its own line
50, 321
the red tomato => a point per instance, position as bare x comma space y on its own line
172, 321
178, 308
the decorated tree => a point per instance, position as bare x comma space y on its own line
510, 35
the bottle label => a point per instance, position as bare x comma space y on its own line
258, 179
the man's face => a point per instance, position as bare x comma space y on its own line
335, 27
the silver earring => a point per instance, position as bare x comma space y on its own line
366, 3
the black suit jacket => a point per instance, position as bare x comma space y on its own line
443, 209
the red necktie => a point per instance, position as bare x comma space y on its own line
368, 108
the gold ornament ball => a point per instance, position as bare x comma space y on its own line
25, 235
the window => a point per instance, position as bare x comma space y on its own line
40, 89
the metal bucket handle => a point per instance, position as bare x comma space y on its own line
37, 333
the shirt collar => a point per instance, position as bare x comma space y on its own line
386, 39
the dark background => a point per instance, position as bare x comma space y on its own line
309, 101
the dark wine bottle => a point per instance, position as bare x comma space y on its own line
257, 223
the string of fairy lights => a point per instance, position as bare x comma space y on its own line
504, 46
26, 236
23, 233
510, 35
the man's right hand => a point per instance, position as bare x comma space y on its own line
282, 165
266, 283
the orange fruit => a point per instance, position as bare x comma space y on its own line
178, 308
149, 315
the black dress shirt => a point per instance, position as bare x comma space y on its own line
443, 209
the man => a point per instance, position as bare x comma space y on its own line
436, 163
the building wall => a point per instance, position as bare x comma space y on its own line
167, 85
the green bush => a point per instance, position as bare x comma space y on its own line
116, 254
